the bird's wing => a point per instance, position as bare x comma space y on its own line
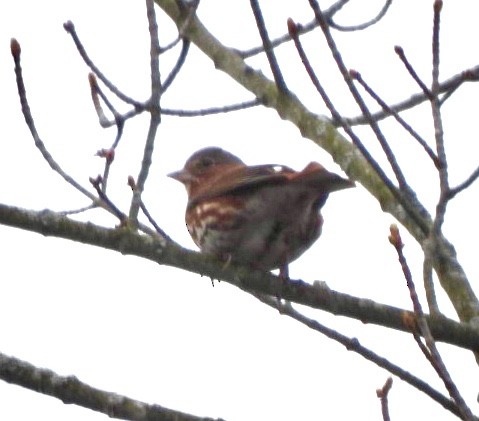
241, 179
249, 178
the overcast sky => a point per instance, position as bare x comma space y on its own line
165, 336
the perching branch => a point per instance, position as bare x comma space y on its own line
166, 252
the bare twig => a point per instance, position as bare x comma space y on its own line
292, 27
104, 202
212, 110
179, 64
96, 95
333, 9
357, 97
400, 52
357, 76
97, 184
109, 156
437, 119
382, 394
446, 87
16, 52
79, 210
352, 344
310, 26
427, 276
70, 28
434, 357
154, 109
263, 31
132, 184
191, 7
464, 185
119, 119
364, 25
420, 343
355, 139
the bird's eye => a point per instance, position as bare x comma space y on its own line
205, 162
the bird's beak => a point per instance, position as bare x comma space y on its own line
182, 176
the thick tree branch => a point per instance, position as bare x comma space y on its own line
71, 390
126, 241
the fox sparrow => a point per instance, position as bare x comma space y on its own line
264, 216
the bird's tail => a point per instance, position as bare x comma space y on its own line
315, 175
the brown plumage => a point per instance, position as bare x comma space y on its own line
264, 216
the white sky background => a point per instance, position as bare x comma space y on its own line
165, 336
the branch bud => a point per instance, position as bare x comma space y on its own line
15, 48
292, 28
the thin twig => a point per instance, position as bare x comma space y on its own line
423, 348
119, 119
79, 210
97, 184
191, 6
163, 234
464, 185
357, 97
352, 344
108, 154
154, 109
365, 25
437, 120
357, 76
333, 9
408, 200
177, 67
310, 26
212, 110
263, 31
70, 28
292, 27
16, 53
400, 52
435, 358
355, 139
427, 276
382, 394
446, 87
96, 93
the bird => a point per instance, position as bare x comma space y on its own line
261, 216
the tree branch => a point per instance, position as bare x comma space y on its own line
446, 87
353, 345
71, 390
164, 252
